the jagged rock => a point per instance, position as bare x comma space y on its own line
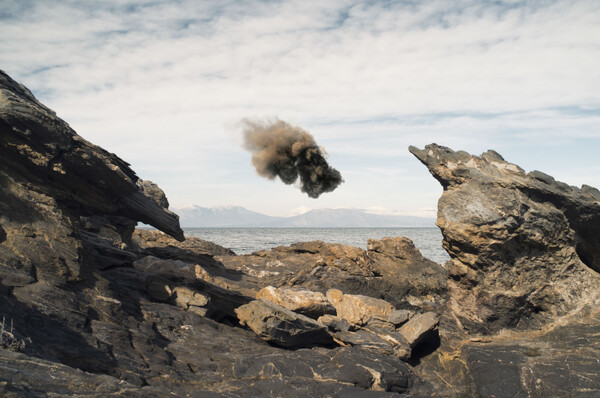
334, 323
106, 240
320, 266
91, 323
365, 339
192, 250
359, 310
305, 302
420, 328
382, 341
380, 324
70, 281
276, 324
559, 360
418, 279
509, 234
50, 178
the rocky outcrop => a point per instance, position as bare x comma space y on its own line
524, 248
52, 182
90, 307
392, 269
98, 309
417, 279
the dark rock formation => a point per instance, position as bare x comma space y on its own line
522, 315
417, 279
50, 178
524, 248
97, 309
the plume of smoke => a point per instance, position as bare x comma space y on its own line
288, 152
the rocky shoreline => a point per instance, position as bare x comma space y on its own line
93, 307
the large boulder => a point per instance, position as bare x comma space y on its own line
524, 248
303, 301
359, 310
276, 324
420, 328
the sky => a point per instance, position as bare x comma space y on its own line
166, 84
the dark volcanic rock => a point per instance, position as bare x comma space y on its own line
524, 248
334, 323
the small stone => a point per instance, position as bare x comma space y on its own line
380, 324
334, 323
365, 339
399, 317
186, 297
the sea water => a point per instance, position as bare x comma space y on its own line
248, 240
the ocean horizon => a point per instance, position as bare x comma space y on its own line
250, 239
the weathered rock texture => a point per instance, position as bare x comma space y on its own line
359, 310
392, 269
50, 179
524, 248
274, 323
92, 308
302, 301
98, 309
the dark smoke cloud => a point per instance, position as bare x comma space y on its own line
288, 152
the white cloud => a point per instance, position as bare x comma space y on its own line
163, 85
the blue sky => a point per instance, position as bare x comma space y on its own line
165, 84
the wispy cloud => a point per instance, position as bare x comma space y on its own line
165, 83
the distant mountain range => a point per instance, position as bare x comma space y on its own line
235, 216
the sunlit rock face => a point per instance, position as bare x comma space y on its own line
524, 248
